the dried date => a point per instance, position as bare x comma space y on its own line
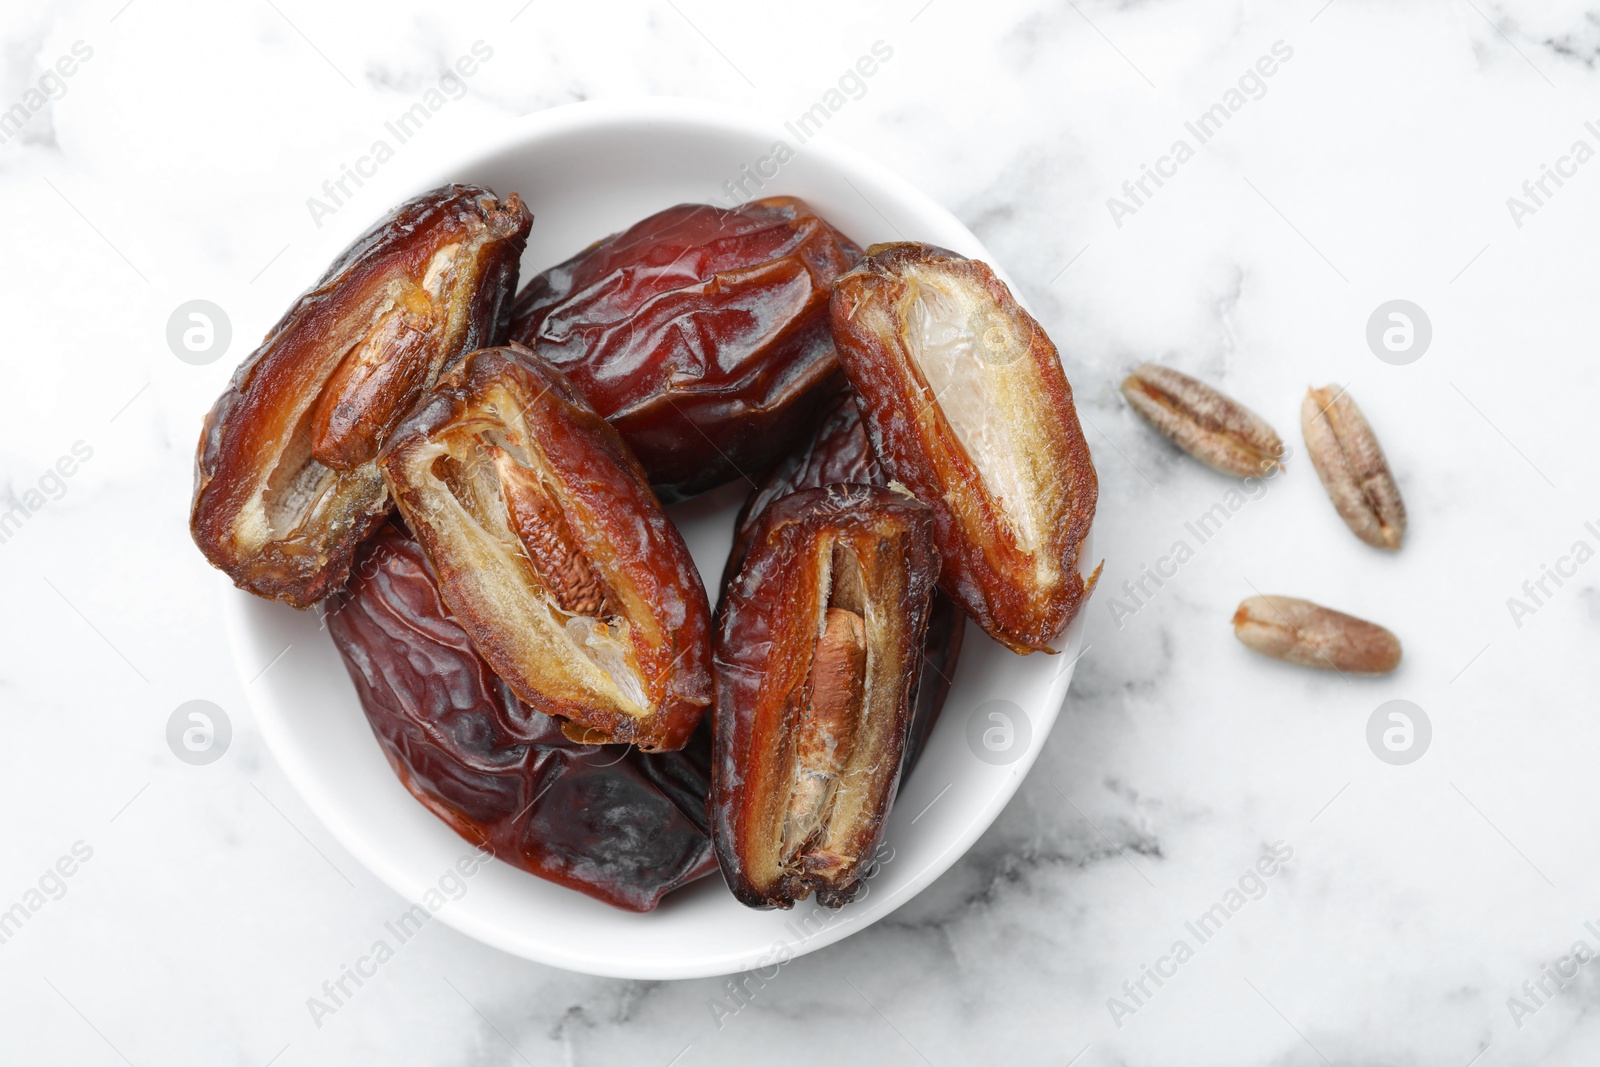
816, 657
611, 821
700, 332
839, 453
967, 406
553, 553
285, 483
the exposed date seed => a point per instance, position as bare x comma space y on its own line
1215, 429
827, 729
1351, 464
547, 539
373, 386
1309, 635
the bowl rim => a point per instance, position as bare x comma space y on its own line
360, 840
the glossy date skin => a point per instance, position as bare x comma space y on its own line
621, 825
817, 654
286, 486
967, 406
700, 332
553, 553
840, 453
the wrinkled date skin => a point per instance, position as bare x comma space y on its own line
553, 553
817, 655
839, 453
286, 486
700, 332
618, 824
967, 406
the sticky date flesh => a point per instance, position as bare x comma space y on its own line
840, 453
817, 654
553, 553
286, 486
700, 332
967, 406
611, 821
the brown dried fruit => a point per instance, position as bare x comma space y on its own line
700, 332
816, 657
967, 406
1309, 635
624, 826
839, 453
285, 483
1215, 429
1351, 464
553, 553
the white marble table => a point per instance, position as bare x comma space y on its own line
1407, 906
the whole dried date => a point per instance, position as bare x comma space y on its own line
285, 483
967, 406
839, 453
816, 657
700, 332
553, 553
618, 824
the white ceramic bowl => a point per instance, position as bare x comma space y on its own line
588, 170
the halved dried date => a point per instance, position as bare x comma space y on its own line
816, 657
967, 406
553, 553
839, 453
700, 332
611, 821
285, 483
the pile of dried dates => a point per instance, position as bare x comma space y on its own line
467, 481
